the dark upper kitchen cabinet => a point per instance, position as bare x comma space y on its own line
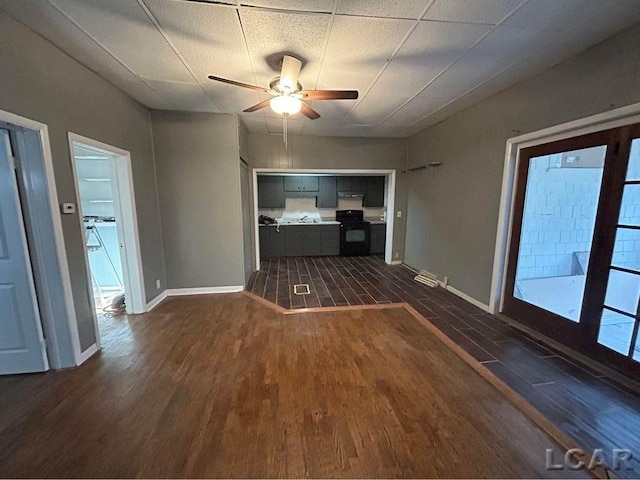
270, 192
359, 184
378, 238
300, 184
327, 194
374, 193
352, 184
345, 184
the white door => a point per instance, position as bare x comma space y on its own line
22, 347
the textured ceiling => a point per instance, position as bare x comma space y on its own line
415, 62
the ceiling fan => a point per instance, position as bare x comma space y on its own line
288, 95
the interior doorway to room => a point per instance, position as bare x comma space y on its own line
573, 270
107, 211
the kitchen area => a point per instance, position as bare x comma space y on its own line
322, 215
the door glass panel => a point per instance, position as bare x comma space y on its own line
633, 171
636, 351
626, 252
561, 200
623, 291
616, 331
630, 208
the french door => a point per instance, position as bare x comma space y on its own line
573, 271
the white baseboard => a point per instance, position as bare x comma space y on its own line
172, 292
156, 301
396, 262
89, 352
469, 299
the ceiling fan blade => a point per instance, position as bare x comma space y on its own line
257, 106
238, 84
289, 74
330, 94
309, 112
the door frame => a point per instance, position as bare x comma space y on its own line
389, 174
52, 323
127, 229
567, 331
615, 118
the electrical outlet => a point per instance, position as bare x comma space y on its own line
399, 214
158, 284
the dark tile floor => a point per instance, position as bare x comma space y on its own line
589, 407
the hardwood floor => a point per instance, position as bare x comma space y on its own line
589, 407
222, 386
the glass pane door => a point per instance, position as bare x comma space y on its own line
619, 320
561, 201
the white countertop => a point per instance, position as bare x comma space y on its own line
324, 222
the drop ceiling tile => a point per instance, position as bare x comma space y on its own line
431, 47
187, 97
319, 128
51, 24
415, 110
271, 34
229, 98
254, 124
409, 9
124, 28
496, 51
375, 108
294, 127
209, 38
555, 14
332, 111
488, 12
298, 5
358, 49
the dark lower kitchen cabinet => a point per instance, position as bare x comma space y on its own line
327, 193
330, 240
300, 240
303, 240
378, 238
270, 191
272, 242
374, 193
295, 183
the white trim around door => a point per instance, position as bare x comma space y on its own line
49, 323
127, 224
602, 121
390, 198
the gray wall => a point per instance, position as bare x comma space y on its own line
268, 151
40, 82
453, 209
197, 160
246, 191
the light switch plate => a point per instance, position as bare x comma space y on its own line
68, 208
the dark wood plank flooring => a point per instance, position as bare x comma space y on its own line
592, 409
223, 386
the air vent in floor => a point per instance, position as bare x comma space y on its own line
301, 289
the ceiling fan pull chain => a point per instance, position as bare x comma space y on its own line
285, 136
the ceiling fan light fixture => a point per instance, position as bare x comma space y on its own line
285, 104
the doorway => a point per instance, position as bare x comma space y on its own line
106, 204
573, 270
